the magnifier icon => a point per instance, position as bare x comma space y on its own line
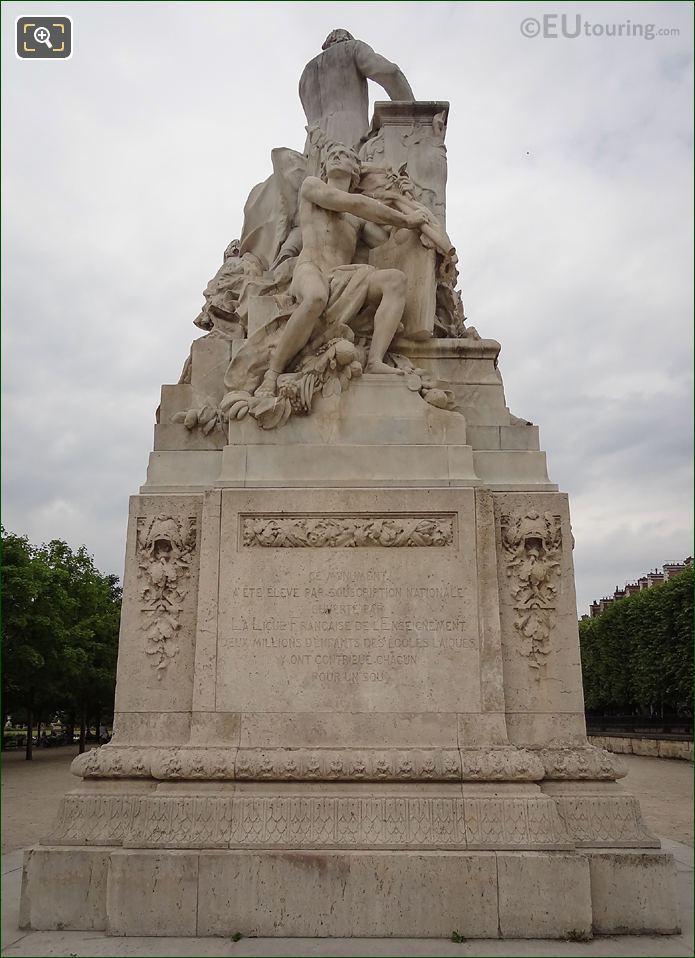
43, 35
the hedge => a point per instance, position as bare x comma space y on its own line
637, 656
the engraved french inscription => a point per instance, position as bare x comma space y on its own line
303, 628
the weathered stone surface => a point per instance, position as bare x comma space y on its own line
682, 750
152, 894
633, 893
645, 746
64, 888
544, 896
409, 894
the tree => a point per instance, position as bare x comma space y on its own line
35, 609
59, 630
637, 656
90, 647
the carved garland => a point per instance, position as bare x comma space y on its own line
532, 545
494, 764
287, 532
164, 549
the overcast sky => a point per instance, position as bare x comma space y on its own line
569, 200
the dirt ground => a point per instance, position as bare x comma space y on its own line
31, 793
664, 787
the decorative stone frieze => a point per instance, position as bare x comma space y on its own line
336, 531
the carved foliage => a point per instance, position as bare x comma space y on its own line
500, 765
110, 761
194, 763
300, 764
532, 546
434, 391
327, 372
348, 765
497, 764
346, 531
165, 548
580, 764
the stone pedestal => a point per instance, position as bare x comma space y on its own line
349, 689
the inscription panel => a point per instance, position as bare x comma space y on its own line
325, 628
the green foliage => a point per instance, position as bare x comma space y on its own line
637, 656
59, 628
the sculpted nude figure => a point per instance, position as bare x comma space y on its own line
331, 219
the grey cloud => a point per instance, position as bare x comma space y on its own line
126, 169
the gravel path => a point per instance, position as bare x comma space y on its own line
31, 793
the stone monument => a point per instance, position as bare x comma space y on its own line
349, 694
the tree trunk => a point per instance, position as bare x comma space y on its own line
29, 754
83, 729
98, 724
38, 730
70, 731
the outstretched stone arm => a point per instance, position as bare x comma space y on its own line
377, 68
329, 198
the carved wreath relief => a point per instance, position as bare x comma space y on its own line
532, 545
346, 531
164, 548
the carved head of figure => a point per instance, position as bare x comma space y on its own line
163, 539
234, 249
533, 531
336, 36
338, 157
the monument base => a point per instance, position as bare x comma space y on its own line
340, 894
349, 692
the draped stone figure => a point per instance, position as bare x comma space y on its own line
333, 91
333, 86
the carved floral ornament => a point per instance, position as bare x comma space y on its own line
346, 531
532, 546
494, 764
165, 547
